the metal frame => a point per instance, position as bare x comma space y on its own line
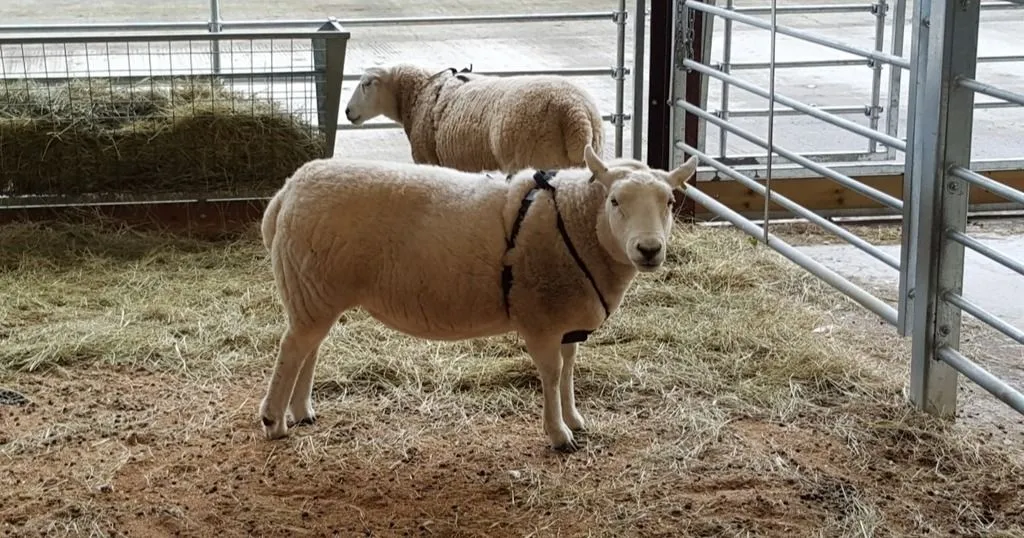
945, 44
618, 72
328, 47
939, 174
875, 60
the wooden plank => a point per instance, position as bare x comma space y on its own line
822, 194
199, 219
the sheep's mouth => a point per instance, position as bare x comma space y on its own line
647, 266
355, 120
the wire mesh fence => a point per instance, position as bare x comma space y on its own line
148, 114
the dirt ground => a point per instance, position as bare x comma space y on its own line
144, 358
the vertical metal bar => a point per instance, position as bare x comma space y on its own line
659, 86
702, 55
943, 118
329, 66
911, 209
639, 22
892, 118
723, 135
620, 74
874, 113
771, 120
692, 41
214, 27
685, 42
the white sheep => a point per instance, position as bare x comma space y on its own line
473, 122
442, 254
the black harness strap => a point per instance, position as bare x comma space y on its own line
542, 179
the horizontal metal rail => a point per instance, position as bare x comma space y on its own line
865, 299
807, 9
797, 64
995, 104
990, 185
253, 76
999, 6
985, 250
995, 386
758, 112
991, 91
1000, 59
796, 208
141, 37
815, 112
799, 34
262, 25
800, 64
844, 180
984, 316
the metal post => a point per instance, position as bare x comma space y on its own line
874, 111
329, 65
723, 135
892, 118
692, 41
639, 21
659, 92
620, 73
215, 26
943, 118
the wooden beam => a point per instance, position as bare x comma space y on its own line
822, 194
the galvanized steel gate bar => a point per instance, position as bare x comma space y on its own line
933, 208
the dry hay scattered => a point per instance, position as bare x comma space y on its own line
189, 136
717, 406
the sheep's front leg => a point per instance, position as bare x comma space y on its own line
570, 414
546, 354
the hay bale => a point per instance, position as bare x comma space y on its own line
188, 136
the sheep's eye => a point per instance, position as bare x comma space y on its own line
615, 203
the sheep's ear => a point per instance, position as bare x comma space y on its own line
594, 163
684, 174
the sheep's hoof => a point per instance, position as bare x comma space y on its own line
566, 448
274, 429
575, 422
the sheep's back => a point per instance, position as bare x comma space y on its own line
392, 235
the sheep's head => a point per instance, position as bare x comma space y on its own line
637, 217
371, 97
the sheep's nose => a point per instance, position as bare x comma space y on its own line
649, 251
347, 111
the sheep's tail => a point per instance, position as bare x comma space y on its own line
268, 227
583, 126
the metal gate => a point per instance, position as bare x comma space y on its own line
938, 169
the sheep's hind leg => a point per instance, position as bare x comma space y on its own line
570, 414
547, 357
297, 345
301, 406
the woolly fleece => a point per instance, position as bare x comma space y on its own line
489, 122
422, 248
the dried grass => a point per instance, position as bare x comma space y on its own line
716, 403
92, 136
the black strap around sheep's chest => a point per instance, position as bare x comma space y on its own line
542, 179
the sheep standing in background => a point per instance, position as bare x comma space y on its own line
474, 122
548, 257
